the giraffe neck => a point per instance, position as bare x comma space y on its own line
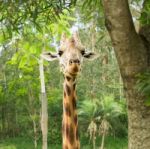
70, 122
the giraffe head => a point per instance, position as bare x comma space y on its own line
70, 55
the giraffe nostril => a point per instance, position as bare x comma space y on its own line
75, 61
70, 61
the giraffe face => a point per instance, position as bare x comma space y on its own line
70, 55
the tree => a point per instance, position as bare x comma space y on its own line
109, 111
101, 116
87, 116
133, 59
44, 111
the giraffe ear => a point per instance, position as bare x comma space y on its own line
49, 56
90, 55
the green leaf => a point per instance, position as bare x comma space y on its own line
23, 62
14, 59
147, 102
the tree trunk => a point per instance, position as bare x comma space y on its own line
94, 142
132, 59
103, 141
33, 113
35, 133
44, 112
3, 118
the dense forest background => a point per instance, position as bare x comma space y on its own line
27, 29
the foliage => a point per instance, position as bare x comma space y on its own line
102, 116
15, 15
145, 15
143, 86
93, 10
20, 81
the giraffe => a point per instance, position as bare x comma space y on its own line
70, 55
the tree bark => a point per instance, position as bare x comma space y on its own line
132, 58
44, 112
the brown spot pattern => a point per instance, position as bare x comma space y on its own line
68, 130
74, 86
70, 133
74, 103
68, 78
64, 94
68, 90
75, 119
67, 109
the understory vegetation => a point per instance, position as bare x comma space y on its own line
24, 143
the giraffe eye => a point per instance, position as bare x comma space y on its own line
83, 52
60, 53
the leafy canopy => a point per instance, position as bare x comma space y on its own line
16, 14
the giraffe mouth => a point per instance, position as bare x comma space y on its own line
73, 74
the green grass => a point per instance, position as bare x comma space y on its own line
17, 143
25, 143
116, 143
